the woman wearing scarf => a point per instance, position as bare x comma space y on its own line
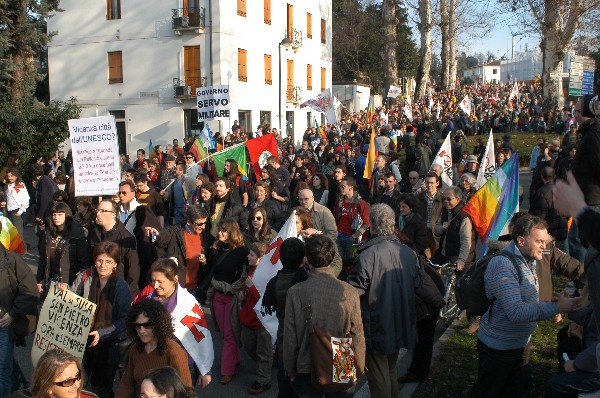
110, 293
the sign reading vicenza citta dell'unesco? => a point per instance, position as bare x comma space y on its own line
213, 103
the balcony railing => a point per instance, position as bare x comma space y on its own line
187, 88
295, 36
188, 18
293, 94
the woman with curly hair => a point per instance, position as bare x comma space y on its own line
228, 259
262, 199
152, 348
258, 227
278, 190
320, 187
58, 374
165, 381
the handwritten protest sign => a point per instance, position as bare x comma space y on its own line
64, 323
95, 155
213, 103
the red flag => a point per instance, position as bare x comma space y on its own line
260, 149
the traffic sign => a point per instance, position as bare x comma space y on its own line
574, 91
559, 74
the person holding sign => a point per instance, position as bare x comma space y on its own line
153, 347
110, 293
58, 374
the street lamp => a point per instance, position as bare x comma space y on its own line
286, 43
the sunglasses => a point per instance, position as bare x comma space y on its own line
257, 218
69, 382
447, 199
189, 157
145, 325
199, 224
124, 192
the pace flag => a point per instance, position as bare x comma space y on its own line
267, 268
495, 203
444, 159
10, 237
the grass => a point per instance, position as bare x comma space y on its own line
454, 369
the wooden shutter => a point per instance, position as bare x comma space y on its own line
115, 67
242, 68
290, 79
323, 81
268, 75
309, 77
267, 12
241, 8
191, 67
290, 21
323, 32
309, 25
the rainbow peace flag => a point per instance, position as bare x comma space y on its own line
494, 204
199, 149
10, 237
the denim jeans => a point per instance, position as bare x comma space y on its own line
572, 384
6, 362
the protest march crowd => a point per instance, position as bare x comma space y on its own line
312, 256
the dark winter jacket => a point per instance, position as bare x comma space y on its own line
542, 206
18, 295
416, 233
128, 267
386, 274
586, 164
74, 256
233, 209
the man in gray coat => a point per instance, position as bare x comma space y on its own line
385, 275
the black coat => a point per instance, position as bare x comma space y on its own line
128, 268
74, 257
586, 164
416, 233
233, 209
386, 273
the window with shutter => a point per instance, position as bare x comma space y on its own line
242, 68
309, 25
115, 67
113, 9
323, 70
323, 32
309, 77
241, 8
267, 16
191, 68
290, 21
268, 77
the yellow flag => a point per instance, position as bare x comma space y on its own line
370, 156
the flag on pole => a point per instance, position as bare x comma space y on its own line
321, 103
150, 147
487, 168
322, 134
408, 110
465, 104
444, 159
438, 110
495, 203
237, 153
10, 237
370, 165
260, 149
198, 149
371, 111
514, 94
266, 269
394, 91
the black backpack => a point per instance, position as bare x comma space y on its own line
470, 288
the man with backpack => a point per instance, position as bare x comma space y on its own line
323, 306
514, 311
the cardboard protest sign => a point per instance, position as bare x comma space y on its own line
64, 323
213, 103
95, 155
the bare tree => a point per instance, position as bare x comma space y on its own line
390, 42
425, 27
445, 52
453, 37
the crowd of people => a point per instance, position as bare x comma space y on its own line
177, 237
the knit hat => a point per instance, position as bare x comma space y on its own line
591, 106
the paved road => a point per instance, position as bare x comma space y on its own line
245, 372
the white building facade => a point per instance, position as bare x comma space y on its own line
141, 61
484, 73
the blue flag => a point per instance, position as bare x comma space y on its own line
150, 147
